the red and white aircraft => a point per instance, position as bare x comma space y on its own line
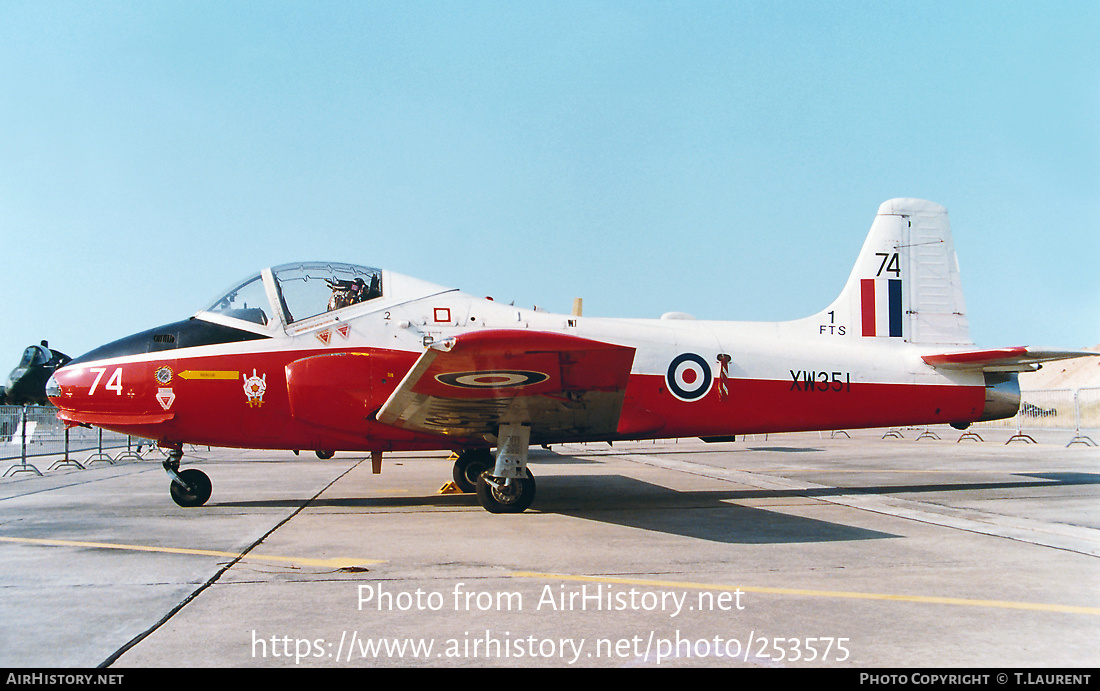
332, 356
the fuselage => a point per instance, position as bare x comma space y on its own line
224, 380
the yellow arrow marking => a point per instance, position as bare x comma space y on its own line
822, 593
208, 374
336, 563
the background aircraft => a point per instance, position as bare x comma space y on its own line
27, 382
334, 356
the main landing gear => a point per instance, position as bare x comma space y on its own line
503, 484
505, 495
190, 487
469, 466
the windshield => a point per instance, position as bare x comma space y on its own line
247, 301
34, 355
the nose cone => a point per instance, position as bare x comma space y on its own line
116, 394
113, 386
53, 389
127, 385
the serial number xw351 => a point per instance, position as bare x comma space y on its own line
821, 382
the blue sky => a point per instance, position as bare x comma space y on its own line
719, 158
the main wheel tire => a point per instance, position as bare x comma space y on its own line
324, 455
197, 491
513, 499
469, 467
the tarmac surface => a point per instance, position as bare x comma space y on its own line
797, 550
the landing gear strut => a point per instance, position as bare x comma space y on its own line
509, 487
190, 487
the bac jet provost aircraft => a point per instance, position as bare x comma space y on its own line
331, 356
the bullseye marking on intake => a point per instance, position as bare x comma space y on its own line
492, 379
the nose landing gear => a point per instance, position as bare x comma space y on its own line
190, 487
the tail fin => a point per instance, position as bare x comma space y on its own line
905, 285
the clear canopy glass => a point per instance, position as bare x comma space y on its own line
34, 355
302, 290
247, 301
313, 288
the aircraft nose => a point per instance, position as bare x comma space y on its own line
72, 388
119, 395
125, 386
53, 388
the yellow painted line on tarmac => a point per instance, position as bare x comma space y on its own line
1002, 604
336, 563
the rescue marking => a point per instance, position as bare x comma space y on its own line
688, 377
209, 374
492, 379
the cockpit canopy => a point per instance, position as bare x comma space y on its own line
290, 299
294, 292
34, 356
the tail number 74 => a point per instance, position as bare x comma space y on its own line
114, 383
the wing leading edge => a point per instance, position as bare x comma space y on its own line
467, 386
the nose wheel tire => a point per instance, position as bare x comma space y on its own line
498, 496
195, 493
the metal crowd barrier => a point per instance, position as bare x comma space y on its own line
1075, 411
34, 432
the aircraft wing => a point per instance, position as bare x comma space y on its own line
465, 387
1017, 359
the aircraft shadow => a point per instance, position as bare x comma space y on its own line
687, 451
705, 514
624, 501
702, 515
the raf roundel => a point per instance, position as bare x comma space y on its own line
688, 377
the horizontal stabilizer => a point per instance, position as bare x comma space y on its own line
1017, 359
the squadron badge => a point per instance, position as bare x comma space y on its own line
254, 388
